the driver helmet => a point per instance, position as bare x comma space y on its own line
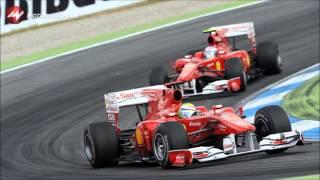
187, 110
210, 52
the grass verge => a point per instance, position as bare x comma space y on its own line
309, 177
11, 63
303, 102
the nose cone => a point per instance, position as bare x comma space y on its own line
235, 123
188, 72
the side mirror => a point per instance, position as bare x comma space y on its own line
177, 95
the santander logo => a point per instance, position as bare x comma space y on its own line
14, 14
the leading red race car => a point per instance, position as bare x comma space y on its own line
222, 66
173, 133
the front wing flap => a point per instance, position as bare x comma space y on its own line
189, 88
232, 85
281, 140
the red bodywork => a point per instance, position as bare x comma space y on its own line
163, 106
195, 66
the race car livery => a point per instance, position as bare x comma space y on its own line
160, 134
221, 66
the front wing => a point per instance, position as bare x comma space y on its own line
183, 157
189, 89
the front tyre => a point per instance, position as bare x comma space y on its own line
233, 69
101, 145
168, 136
271, 120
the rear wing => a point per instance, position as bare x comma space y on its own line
115, 100
233, 29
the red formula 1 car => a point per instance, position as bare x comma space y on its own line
160, 134
222, 65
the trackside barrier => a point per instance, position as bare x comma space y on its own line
21, 14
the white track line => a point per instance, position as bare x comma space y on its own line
128, 36
305, 125
297, 79
265, 100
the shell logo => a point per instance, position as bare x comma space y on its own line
247, 60
139, 137
218, 66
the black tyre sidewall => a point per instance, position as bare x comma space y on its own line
267, 58
233, 69
176, 138
276, 117
276, 120
105, 144
158, 76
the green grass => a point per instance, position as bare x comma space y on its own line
309, 177
10, 63
303, 102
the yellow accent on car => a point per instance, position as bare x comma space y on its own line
139, 137
184, 126
218, 66
247, 58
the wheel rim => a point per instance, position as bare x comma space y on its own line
89, 149
160, 147
279, 61
262, 129
244, 77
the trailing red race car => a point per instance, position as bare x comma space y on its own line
222, 66
173, 133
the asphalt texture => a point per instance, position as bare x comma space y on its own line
44, 108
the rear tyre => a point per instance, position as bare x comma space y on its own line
233, 69
158, 76
268, 58
168, 136
271, 120
101, 145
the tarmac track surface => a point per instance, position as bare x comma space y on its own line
44, 108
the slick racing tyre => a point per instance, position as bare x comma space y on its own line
168, 136
233, 69
271, 120
268, 58
158, 76
101, 145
